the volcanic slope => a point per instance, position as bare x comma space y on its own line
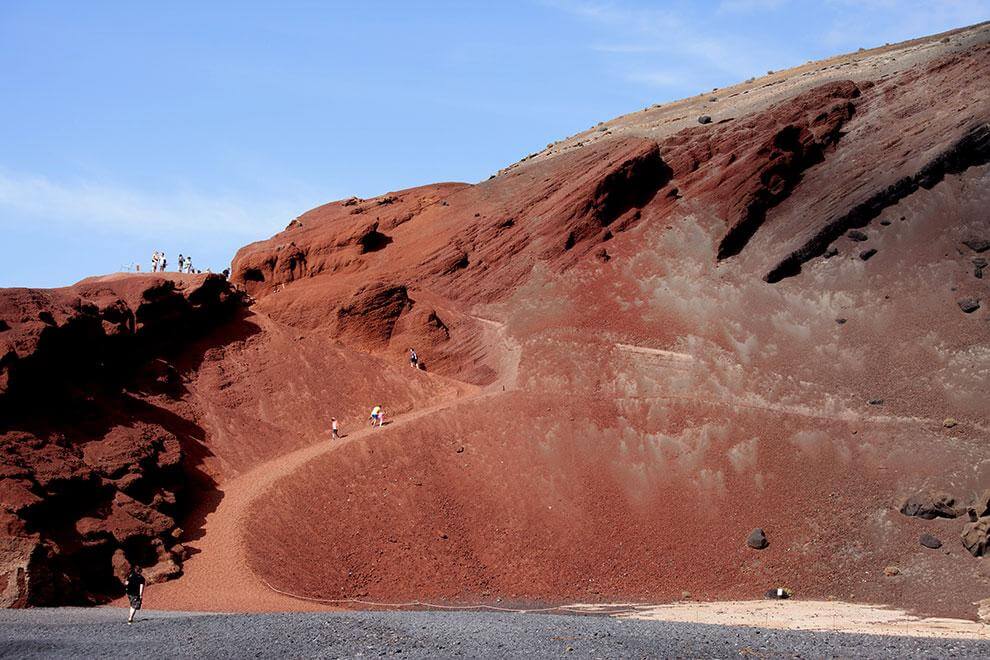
640, 344
130, 403
753, 322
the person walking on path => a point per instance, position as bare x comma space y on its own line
413, 359
134, 586
377, 415
334, 434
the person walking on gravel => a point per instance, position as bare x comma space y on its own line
134, 586
334, 434
377, 415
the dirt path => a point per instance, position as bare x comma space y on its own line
218, 577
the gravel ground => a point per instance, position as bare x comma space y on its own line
101, 632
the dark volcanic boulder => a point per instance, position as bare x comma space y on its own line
977, 244
930, 541
968, 305
757, 539
930, 505
976, 536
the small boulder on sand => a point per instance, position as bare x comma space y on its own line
977, 244
757, 539
930, 505
968, 305
930, 541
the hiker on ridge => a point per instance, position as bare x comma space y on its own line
134, 586
334, 434
413, 359
377, 415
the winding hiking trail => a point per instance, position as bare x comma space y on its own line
218, 577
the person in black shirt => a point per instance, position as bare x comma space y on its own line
134, 586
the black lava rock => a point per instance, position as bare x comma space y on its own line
968, 305
977, 244
757, 539
704, 119
857, 235
930, 505
866, 254
930, 541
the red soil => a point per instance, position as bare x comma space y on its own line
634, 356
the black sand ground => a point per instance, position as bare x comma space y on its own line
72, 633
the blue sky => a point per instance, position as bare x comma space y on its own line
198, 127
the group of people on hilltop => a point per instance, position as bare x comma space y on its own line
159, 264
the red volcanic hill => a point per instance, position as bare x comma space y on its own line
764, 306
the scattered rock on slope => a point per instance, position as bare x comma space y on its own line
968, 305
930, 505
757, 539
977, 244
930, 541
976, 536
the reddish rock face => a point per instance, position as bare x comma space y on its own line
640, 344
89, 471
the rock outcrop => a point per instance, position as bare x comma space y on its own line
930, 505
976, 537
92, 473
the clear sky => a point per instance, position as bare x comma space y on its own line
198, 127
